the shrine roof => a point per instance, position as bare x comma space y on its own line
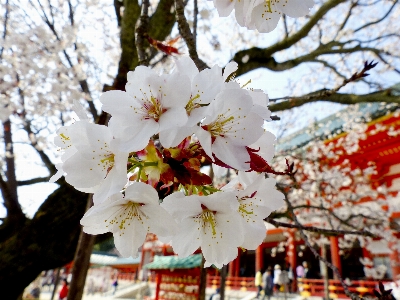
174, 262
112, 260
332, 125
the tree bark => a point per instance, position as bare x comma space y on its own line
81, 261
325, 272
224, 271
46, 242
203, 281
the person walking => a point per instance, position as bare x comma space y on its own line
258, 282
277, 277
64, 290
268, 284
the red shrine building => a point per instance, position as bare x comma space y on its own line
382, 146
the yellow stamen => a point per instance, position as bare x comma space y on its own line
219, 126
208, 217
64, 136
248, 82
242, 209
191, 104
269, 6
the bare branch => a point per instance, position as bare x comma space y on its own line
117, 6
317, 255
141, 31
184, 30
5, 23
43, 156
33, 181
195, 14
263, 57
386, 95
331, 232
379, 20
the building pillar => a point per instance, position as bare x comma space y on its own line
260, 258
232, 265
335, 254
394, 260
237, 263
366, 253
292, 259
158, 283
291, 253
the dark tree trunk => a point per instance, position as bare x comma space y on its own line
46, 242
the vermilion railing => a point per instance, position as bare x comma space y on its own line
234, 283
315, 287
127, 276
309, 287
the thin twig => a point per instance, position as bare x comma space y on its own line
5, 26
332, 232
326, 93
351, 295
187, 35
195, 13
141, 31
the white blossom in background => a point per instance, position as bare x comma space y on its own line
4, 113
130, 218
263, 15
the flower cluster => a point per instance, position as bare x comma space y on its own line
162, 130
263, 15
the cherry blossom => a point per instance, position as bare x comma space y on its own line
151, 104
206, 222
205, 85
90, 162
130, 218
263, 15
257, 198
229, 127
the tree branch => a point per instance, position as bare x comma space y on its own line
331, 232
317, 255
379, 20
33, 181
195, 14
141, 30
186, 34
263, 57
129, 57
5, 23
382, 96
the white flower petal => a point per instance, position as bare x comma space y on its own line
295, 8
173, 137
224, 7
181, 206
186, 66
234, 156
230, 68
141, 193
205, 141
254, 234
187, 240
173, 117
